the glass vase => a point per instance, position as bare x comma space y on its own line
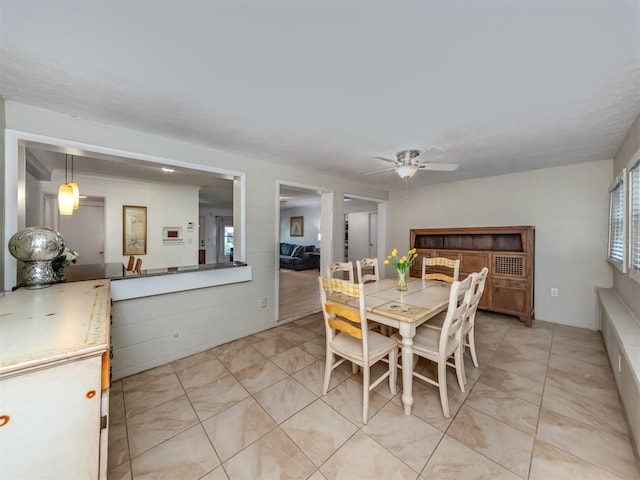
402, 281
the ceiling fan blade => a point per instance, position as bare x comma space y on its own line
380, 171
442, 167
386, 159
428, 153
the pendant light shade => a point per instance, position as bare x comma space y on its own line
68, 192
65, 199
76, 194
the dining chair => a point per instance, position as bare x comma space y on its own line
367, 264
131, 263
346, 338
440, 345
468, 328
138, 266
341, 267
453, 265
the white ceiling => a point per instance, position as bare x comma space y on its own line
500, 86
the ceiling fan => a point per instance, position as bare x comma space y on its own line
408, 162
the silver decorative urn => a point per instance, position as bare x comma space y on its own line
37, 247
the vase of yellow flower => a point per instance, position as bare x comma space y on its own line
402, 266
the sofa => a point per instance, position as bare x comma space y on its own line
298, 257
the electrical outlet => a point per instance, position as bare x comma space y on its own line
263, 302
554, 292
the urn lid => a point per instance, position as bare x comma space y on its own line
36, 244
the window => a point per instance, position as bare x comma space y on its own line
616, 223
634, 221
228, 241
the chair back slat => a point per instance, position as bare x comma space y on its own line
341, 267
368, 264
449, 263
345, 327
344, 312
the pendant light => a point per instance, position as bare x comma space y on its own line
66, 200
75, 189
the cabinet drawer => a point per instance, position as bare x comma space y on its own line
509, 283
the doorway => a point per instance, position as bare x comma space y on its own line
300, 214
84, 231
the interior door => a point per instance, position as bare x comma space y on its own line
83, 231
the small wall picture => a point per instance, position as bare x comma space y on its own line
134, 230
296, 228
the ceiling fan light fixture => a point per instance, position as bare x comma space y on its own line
407, 171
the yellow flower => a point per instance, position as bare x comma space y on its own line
403, 263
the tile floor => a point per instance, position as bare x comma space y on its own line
542, 405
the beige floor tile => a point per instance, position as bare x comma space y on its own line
427, 406
516, 351
217, 473
216, 396
316, 347
201, 373
577, 366
606, 450
154, 426
453, 460
192, 360
504, 407
273, 346
284, 399
527, 368
363, 458
522, 387
121, 472
293, 360
152, 394
259, 337
498, 441
228, 350
187, 456
409, 438
318, 430
274, 456
317, 476
259, 376
118, 451
236, 427
551, 462
117, 410
588, 410
242, 358
313, 376
147, 376
597, 386
346, 398
299, 335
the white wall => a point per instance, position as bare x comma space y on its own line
568, 206
168, 205
311, 225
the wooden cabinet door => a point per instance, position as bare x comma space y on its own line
52, 422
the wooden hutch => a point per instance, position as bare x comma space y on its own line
508, 252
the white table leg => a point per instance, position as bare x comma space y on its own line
407, 331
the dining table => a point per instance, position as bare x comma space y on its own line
404, 310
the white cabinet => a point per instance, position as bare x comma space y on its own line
54, 382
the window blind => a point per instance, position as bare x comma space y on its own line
616, 223
634, 220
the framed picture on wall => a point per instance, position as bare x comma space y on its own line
296, 228
134, 230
